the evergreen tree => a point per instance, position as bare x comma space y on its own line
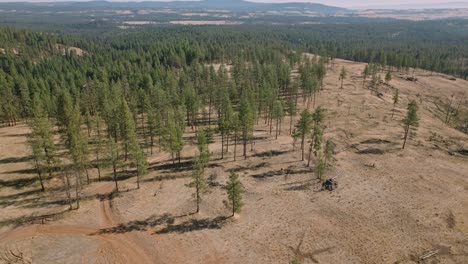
388, 77
172, 139
365, 74
246, 122
292, 111
329, 151
396, 98
411, 121
113, 159
200, 163
303, 127
235, 190
277, 115
42, 144
320, 169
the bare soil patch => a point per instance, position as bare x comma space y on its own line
408, 203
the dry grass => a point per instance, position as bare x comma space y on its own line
392, 205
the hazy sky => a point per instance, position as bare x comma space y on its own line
343, 3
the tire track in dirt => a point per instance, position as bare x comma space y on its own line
116, 248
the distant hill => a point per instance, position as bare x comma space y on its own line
230, 5
449, 5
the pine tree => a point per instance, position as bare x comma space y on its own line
42, 144
246, 122
139, 159
172, 137
329, 151
99, 144
411, 121
292, 111
303, 127
388, 77
113, 159
235, 190
320, 169
365, 74
317, 132
200, 163
277, 115
396, 98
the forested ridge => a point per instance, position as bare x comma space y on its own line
117, 97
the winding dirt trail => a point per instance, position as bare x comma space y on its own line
116, 248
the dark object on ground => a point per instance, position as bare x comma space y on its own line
329, 185
412, 79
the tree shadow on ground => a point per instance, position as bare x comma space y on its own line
18, 183
177, 167
299, 186
138, 225
255, 167
308, 255
194, 225
23, 171
272, 153
277, 173
15, 159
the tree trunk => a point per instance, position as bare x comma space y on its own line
151, 143
77, 193
227, 143
406, 136
198, 199
302, 145
114, 168
290, 125
233, 207
245, 146
66, 182
277, 128
209, 113
235, 146
138, 179
310, 154
39, 174
87, 176
222, 144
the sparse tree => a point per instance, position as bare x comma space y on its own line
303, 127
396, 98
200, 163
42, 144
235, 190
329, 151
292, 111
411, 121
246, 122
277, 115
320, 169
365, 74
113, 159
388, 77
172, 139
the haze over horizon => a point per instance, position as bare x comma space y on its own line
340, 3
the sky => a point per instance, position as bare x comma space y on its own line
342, 3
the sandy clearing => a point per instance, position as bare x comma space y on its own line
390, 207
